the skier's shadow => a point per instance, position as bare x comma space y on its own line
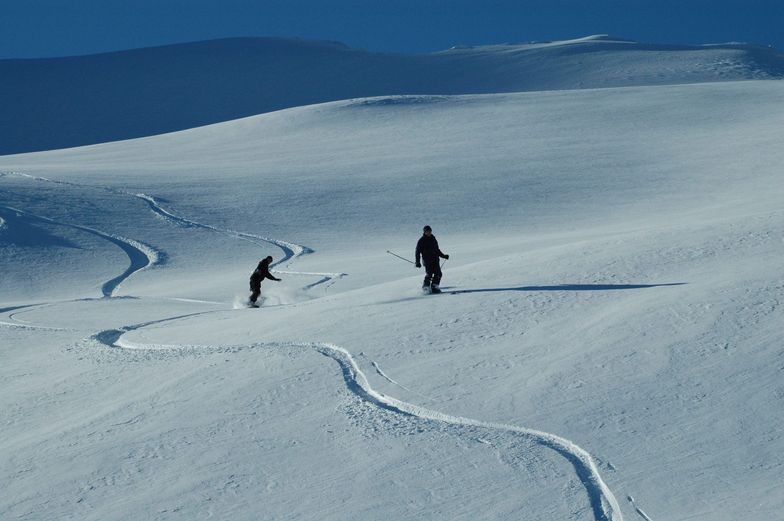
450, 290
564, 287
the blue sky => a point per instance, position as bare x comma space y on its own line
41, 28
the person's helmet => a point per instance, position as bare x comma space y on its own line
427, 229
269, 258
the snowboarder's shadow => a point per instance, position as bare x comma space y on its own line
565, 287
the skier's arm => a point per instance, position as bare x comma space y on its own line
271, 276
418, 253
440, 253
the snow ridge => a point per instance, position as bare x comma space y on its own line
605, 506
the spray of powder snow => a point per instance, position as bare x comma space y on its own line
240, 301
273, 296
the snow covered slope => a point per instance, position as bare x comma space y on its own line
609, 346
65, 102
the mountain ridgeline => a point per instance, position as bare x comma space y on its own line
65, 102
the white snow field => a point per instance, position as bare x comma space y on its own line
608, 346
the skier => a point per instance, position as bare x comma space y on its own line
427, 248
262, 272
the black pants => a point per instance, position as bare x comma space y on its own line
256, 291
433, 273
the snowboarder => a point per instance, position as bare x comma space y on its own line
427, 248
262, 272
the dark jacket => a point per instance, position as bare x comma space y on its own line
427, 247
262, 272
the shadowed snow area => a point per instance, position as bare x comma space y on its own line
81, 100
608, 346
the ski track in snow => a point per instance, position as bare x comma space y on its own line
290, 250
383, 375
141, 255
9, 312
387, 378
603, 503
14, 323
638, 509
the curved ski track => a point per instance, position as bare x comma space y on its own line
603, 503
9, 313
290, 250
141, 255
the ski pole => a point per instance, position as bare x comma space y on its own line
399, 257
442, 264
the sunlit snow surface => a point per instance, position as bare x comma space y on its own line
608, 346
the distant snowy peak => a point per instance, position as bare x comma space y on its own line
599, 42
91, 99
536, 44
